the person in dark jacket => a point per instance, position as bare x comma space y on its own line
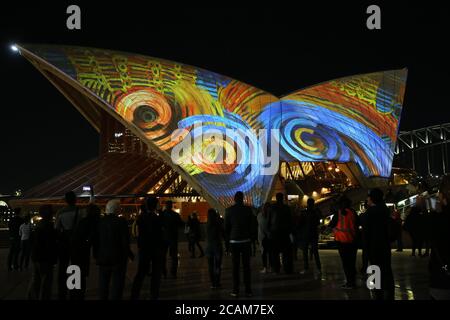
440, 245
43, 256
378, 242
427, 232
311, 219
214, 247
413, 224
345, 225
254, 238
151, 245
238, 228
66, 220
171, 222
14, 240
111, 251
263, 236
280, 230
398, 223
194, 235
82, 243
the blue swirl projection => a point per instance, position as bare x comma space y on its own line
320, 134
245, 170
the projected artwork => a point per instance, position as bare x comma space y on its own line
351, 119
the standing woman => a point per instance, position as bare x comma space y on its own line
263, 236
214, 248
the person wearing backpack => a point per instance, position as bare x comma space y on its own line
345, 226
379, 242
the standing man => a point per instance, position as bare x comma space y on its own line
399, 228
14, 240
280, 230
413, 224
43, 256
171, 221
150, 244
66, 220
112, 250
238, 227
312, 218
25, 242
378, 242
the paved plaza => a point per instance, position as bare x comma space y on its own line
411, 279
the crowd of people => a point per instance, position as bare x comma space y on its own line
77, 234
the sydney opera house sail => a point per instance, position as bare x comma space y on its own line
353, 119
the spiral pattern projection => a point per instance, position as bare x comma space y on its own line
353, 118
348, 119
240, 156
322, 135
150, 112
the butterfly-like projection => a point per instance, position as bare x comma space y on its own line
351, 119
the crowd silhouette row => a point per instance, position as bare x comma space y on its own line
77, 234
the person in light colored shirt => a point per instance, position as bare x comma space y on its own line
25, 243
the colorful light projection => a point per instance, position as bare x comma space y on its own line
349, 119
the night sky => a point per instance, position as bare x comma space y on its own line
278, 49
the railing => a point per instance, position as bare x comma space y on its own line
404, 205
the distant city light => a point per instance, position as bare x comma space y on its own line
14, 48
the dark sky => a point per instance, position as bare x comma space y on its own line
278, 48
